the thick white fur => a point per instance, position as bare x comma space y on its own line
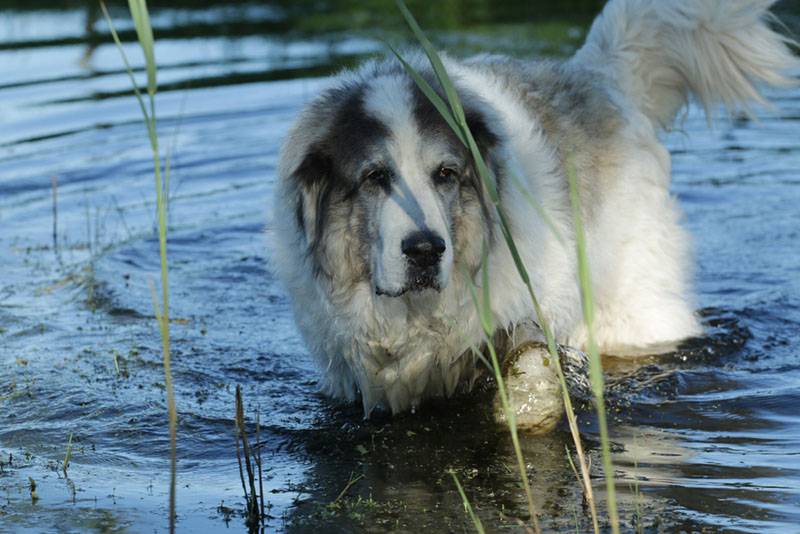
648, 56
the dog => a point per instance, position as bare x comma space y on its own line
380, 219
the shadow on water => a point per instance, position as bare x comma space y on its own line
706, 437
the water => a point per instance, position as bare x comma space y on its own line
707, 439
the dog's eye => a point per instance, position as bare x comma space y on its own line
380, 177
445, 175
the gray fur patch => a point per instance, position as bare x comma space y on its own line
575, 111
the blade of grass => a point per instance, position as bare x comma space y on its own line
436, 62
458, 116
431, 95
595, 365
476, 521
68, 455
637, 513
252, 502
583, 478
258, 462
54, 191
350, 483
144, 32
239, 459
32, 486
484, 308
128, 68
540, 211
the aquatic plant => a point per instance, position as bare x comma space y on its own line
595, 364
254, 500
476, 521
144, 34
67, 456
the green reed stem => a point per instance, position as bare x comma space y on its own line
67, 455
476, 521
144, 34
595, 364
483, 305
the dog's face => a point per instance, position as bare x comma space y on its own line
386, 192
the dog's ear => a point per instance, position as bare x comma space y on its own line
478, 123
489, 143
312, 178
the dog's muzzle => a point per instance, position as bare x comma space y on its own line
423, 251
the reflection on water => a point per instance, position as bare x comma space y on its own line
705, 438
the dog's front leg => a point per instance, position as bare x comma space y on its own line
531, 380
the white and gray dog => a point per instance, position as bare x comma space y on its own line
379, 215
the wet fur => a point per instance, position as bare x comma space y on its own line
599, 112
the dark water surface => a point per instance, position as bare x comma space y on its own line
707, 439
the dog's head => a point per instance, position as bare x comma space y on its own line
384, 190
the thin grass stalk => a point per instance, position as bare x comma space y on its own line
595, 365
252, 503
54, 190
638, 526
68, 455
350, 483
572, 464
476, 521
485, 314
455, 117
144, 33
32, 486
569, 409
241, 469
258, 462
583, 478
128, 68
540, 211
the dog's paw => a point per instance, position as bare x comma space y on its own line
534, 392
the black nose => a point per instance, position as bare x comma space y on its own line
423, 249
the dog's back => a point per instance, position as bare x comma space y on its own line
600, 112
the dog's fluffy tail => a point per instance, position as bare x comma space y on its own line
661, 51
